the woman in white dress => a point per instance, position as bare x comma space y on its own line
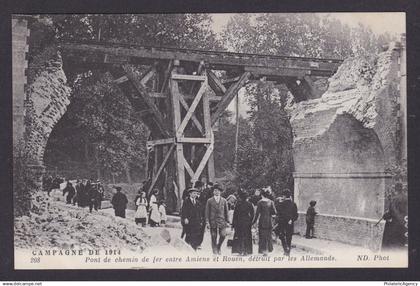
141, 212
154, 209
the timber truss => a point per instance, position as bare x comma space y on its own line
180, 94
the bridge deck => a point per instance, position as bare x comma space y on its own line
259, 65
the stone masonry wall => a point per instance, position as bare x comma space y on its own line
20, 33
48, 98
344, 145
351, 230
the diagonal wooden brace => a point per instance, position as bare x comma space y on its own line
188, 168
203, 162
230, 94
216, 84
157, 116
162, 166
193, 117
191, 110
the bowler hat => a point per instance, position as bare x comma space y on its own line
287, 193
117, 188
190, 190
217, 187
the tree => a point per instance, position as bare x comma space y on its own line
305, 34
100, 124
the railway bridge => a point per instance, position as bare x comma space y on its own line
182, 93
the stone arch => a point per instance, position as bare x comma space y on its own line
47, 99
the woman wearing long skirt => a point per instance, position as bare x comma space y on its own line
154, 218
265, 210
242, 223
141, 212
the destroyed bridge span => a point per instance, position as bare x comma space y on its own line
171, 96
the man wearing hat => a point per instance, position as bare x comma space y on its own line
217, 218
192, 219
286, 215
119, 202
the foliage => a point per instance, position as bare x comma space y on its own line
177, 30
269, 154
305, 34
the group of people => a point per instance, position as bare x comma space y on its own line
151, 210
83, 193
204, 208
148, 210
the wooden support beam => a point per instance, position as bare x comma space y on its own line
193, 140
215, 83
193, 117
121, 79
203, 162
179, 152
230, 94
209, 134
148, 75
316, 93
230, 80
303, 90
161, 167
188, 168
158, 95
160, 142
142, 113
167, 75
185, 96
192, 108
280, 71
200, 68
157, 116
189, 77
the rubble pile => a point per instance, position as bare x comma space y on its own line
54, 224
355, 89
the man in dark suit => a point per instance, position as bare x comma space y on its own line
119, 202
286, 215
217, 218
192, 219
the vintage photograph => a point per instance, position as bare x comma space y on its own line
158, 141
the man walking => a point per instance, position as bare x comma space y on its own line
204, 194
119, 202
192, 219
217, 218
286, 215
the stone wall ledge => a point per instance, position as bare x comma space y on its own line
368, 220
351, 175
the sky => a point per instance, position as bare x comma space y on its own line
391, 22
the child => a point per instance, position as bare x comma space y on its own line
310, 220
162, 212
